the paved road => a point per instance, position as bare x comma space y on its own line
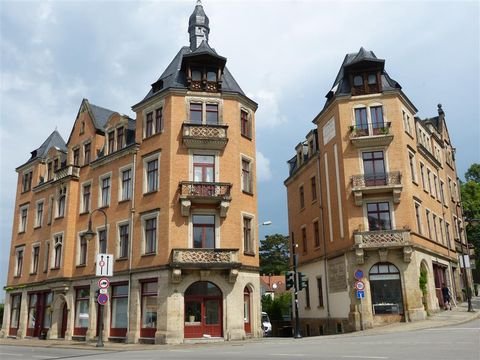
444, 343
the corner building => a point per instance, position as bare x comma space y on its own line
373, 197
171, 195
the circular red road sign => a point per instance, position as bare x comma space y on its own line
103, 283
359, 285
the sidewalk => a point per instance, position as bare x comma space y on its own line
457, 315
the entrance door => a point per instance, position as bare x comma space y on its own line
63, 323
439, 274
203, 310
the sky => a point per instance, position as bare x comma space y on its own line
284, 54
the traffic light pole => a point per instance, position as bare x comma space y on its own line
295, 287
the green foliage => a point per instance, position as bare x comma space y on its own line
422, 281
279, 307
471, 206
274, 254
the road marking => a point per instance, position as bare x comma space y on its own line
11, 354
43, 357
298, 355
450, 329
364, 357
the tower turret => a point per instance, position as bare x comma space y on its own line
198, 26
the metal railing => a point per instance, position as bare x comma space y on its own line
377, 179
370, 129
205, 189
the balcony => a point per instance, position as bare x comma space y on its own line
204, 193
371, 134
69, 170
204, 260
200, 136
382, 240
364, 184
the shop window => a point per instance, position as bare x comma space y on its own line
149, 309
119, 311
82, 313
386, 289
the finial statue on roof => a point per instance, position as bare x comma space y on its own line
440, 110
198, 26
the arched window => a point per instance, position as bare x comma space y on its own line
386, 289
247, 310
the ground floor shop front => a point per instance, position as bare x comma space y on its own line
364, 289
153, 307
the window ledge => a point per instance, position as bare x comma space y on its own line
247, 192
249, 253
84, 213
415, 182
81, 266
33, 273
150, 192
122, 259
123, 201
153, 135
17, 276
59, 217
55, 268
37, 227
104, 207
149, 254
320, 307
314, 201
247, 137
21, 232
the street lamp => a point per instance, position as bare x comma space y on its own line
295, 288
89, 235
468, 289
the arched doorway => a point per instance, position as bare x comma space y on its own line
386, 289
247, 311
203, 310
63, 321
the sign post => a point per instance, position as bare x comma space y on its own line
104, 268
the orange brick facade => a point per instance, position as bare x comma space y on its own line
176, 190
374, 189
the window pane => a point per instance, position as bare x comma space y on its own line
196, 113
358, 80
119, 313
149, 311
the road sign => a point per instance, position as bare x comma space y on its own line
102, 299
360, 294
359, 285
103, 291
358, 274
103, 283
104, 265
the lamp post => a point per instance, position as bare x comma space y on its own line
89, 235
295, 288
468, 288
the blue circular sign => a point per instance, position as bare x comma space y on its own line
102, 299
358, 274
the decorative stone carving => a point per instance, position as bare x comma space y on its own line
185, 205
176, 276
383, 254
359, 253
407, 253
204, 275
224, 205
233, 276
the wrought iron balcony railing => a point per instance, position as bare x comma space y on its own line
371, 134
205, 136
204, 193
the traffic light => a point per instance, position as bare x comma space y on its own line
302, 281
289, 280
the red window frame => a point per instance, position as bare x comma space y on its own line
82, 331
117, 332
148, 332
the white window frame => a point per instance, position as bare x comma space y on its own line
204, 101
54, 252
120, 182
418, 222
253, 227
79, 249
118, 247
39, 222
413, 167
25, 172
107, 233
60, 190
144, 218
146, 160
81, 203
22, 227
18, 249
251, 169
35, 245
152, 109
100, 190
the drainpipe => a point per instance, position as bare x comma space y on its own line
130, 244
325, 269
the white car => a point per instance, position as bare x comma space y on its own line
266, 324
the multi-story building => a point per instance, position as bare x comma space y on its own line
373, 205
171, 195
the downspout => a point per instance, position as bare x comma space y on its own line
130, 243
325, 269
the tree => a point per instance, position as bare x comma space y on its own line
471, 207
278, 308
274, 254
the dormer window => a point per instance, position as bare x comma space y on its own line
196, 75
372, 79
211, 75
358, 80
203, 78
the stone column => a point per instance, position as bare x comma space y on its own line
6, 316
70, 303
22, 325
134, 312
170, 322
234, 319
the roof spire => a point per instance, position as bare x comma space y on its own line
198, 26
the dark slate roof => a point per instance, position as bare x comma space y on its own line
100, 116
436, 121
198, 16
204, 49
174, 77
53, 140
341, 85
